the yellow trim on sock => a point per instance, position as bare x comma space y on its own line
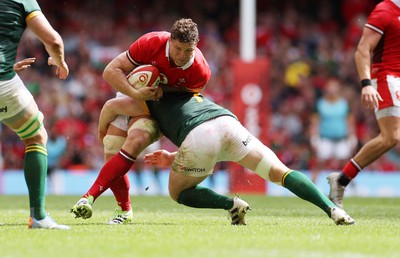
36, 148
284, 177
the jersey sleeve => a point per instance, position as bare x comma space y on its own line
135, 50
31, 8
140, 50
378, 19
199, 81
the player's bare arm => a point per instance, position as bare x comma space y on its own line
115, 74
111, 109
52, 42
369, 96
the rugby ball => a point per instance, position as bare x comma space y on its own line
144, 76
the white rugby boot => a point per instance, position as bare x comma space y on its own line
238, 211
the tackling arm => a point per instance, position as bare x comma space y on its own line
111, 109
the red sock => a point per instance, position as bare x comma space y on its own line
120, 189
351, 169
112, 171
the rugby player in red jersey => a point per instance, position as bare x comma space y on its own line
184, 69
377, 60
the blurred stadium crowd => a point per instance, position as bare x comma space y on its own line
306, 42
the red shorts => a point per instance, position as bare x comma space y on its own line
389, 88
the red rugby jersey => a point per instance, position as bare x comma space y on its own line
153, 48
385, 19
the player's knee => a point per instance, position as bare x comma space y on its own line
148, 127
113, 143
174, 194
40, 137
391, 140
137, 141
142, 133
32, 130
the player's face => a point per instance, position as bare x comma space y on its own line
180, 53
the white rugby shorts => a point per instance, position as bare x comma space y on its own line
220, 139
121, 121
14, 97
333, 149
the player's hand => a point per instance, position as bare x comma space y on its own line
62, 70
149, 93
24, 64
159, 158
370, 97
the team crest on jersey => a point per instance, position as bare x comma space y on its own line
181, 82
397, 94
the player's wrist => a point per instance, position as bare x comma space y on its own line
365, 83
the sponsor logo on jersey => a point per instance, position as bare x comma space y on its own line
191, 170
3, 109
247, 141
197, 170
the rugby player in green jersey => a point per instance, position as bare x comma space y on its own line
18, 109
207, 133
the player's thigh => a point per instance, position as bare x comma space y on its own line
263, 161
28, 124
16, 103
115, 137
390, 125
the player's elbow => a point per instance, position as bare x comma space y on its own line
108, 73
54, 44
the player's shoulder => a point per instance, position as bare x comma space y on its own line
386, 6
155, 36
199, 57
201, 62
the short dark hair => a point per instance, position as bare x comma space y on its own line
185, 31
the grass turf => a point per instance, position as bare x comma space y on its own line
278, 227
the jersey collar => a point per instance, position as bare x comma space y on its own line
187, 65
396, 2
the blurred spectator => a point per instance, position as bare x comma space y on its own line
332, 130
56, 148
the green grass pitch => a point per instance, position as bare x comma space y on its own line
277, 227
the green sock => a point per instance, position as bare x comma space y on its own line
200, 197
35, 170
302, 186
